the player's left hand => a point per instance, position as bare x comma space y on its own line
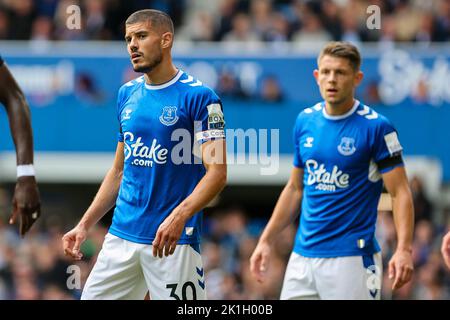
401, 268
168, 234
445, 249
26, 204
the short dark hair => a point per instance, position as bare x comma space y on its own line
343, 50
157, 19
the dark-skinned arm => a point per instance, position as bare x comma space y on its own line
26, 199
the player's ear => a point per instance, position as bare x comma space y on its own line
316, 75
359, 77
166, 40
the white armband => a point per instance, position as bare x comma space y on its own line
25, 170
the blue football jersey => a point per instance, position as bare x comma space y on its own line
342, 158
161, 126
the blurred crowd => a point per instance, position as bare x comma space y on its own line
36, 268
304, 24
299, 21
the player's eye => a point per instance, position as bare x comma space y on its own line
142, 36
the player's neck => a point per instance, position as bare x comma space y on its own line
161, 74
339, 108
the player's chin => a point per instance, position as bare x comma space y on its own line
138, 67
332, 100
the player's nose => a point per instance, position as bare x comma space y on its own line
133, 45
332, 77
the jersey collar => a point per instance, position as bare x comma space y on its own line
341, 116
166, 84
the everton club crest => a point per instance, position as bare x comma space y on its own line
347, 146
169, 116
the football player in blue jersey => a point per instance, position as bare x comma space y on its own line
26, 200
169, 164
344, 151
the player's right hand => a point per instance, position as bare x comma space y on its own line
72, 241
259, 261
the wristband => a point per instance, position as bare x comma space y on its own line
25, 170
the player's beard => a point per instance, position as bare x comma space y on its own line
150, 65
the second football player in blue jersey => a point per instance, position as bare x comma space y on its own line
344, 151
170, 162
